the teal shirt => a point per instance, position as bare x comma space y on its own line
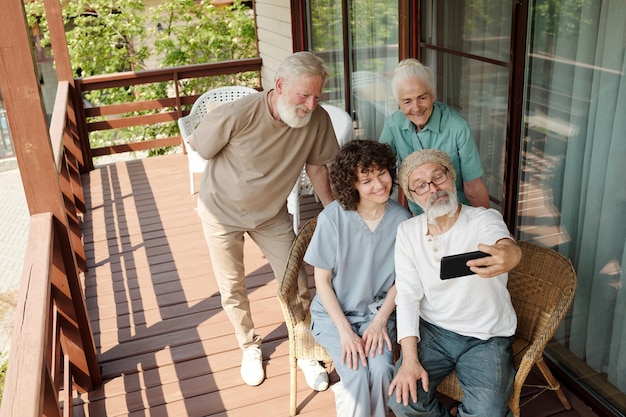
446, 130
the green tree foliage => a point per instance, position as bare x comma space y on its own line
101, 39
193, 33
106, 37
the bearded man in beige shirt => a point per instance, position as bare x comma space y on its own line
256, 148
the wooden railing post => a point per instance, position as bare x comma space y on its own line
64, 72
49, 192
27, 380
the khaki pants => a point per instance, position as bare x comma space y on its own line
274, 238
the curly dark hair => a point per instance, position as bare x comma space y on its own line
354, 157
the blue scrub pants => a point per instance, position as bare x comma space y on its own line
361, 392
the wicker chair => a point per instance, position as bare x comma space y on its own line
542, 289
297, 318
200, 108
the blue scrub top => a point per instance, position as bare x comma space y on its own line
361, 261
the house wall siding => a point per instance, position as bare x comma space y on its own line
273, 18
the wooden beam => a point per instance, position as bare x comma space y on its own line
59, 41
25, 111
26, 376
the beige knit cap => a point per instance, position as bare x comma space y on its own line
419, 158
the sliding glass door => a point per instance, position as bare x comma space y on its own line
359, 40
573, 178
540, 79
467, 44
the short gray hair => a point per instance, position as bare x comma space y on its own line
409, 68
302, 63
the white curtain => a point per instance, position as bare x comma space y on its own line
584, 168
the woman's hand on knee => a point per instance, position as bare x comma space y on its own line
352, 350
375, 337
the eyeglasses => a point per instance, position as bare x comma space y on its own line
423, 187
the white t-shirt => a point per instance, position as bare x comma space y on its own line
471, 305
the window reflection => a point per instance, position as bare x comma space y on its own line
573, 194
373, 54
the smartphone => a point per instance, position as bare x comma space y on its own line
453, 266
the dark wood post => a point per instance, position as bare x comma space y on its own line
65, 73
38, 166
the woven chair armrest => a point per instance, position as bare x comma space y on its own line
288, 292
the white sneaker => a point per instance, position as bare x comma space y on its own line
314, 373
252, 371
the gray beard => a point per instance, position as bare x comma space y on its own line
289, 116
446, 207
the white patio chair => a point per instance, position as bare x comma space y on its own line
344, 130
205, 103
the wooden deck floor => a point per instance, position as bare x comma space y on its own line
164, 344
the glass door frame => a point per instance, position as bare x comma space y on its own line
516, 69
410, 45
301, 35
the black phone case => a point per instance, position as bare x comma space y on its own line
453, 266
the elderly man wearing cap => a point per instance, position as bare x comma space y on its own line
464, 324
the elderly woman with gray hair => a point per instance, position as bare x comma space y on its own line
424, 123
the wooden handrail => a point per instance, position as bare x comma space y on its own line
66, 149
115, 114
23, 394
42, 336
57, 122
52, 329
128, 78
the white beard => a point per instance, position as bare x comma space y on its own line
446, 207
289, 114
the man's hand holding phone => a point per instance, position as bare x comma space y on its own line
455, 266
505, 255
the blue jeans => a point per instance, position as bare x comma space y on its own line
484, 368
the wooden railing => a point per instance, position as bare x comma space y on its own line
53, 352
117, 114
